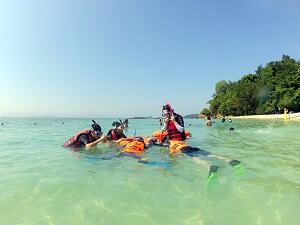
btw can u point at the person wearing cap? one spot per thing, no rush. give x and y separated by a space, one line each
116 132
174 124
86 138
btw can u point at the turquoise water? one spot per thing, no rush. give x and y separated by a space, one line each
43 183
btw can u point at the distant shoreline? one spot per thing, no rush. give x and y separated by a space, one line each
293 116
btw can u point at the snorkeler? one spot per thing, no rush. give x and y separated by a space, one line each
174 124
116 132
195 153
125 123
86 138
135 149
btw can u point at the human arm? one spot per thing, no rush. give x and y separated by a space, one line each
178 121
94 143
124 139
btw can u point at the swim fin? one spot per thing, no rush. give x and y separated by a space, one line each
238 168
212 171
212 177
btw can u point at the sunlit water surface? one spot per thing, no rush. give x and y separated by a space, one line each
44 183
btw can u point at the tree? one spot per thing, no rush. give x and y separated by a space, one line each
273 87
206 112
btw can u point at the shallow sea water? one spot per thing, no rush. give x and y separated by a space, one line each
43 183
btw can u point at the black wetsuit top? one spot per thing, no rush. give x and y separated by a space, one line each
179 119
84 139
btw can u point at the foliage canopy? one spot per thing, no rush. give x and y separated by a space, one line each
269 90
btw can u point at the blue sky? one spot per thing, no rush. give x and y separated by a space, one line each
126 58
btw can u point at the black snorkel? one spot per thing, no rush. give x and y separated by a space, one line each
121 123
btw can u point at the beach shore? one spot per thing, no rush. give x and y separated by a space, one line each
292 116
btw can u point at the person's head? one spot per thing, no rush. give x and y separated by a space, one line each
117 127
126 121
208 118
96 131
166 111
138 138
231 129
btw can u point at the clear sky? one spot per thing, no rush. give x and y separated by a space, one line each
122 58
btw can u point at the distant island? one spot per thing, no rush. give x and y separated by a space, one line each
141 117
191 116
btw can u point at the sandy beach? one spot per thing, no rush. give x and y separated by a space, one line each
292 116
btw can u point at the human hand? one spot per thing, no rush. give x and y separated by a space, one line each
173 118
167 120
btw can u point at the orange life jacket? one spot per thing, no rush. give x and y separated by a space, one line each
177 146
135 147
164 134
73 141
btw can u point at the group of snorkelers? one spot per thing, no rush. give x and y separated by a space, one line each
171 136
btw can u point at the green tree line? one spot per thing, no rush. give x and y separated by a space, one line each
269 90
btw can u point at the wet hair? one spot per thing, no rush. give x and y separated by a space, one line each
116 124
96 127
231 128
166 107
208 117
138 138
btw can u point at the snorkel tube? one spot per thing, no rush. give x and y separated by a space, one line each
121 123
171 113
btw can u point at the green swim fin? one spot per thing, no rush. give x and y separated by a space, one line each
212 177
238 168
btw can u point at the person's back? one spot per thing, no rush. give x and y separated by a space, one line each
135 146
176 146
208 122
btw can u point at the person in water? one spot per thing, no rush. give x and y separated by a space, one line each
223 119
173 124
208 122
116 132
125 123
135 148
160 121
195 153
86 138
